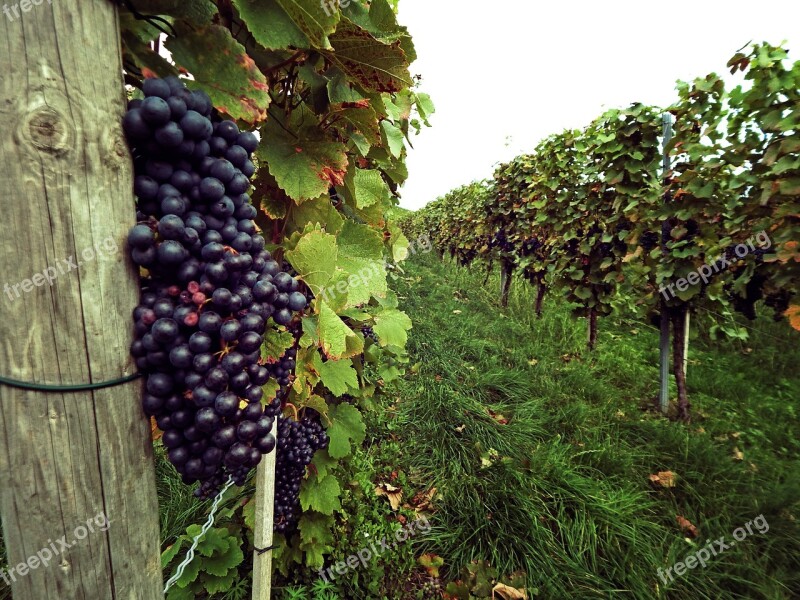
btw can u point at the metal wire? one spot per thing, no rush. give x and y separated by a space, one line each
208 524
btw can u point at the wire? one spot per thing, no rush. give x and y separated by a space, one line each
83 387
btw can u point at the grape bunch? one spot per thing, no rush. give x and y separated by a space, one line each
210 287
281 371
649 240
297 443
369 334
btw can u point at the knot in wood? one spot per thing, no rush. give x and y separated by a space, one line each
48 130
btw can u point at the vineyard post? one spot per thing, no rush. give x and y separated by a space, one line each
505 282
263 534
687 323
664 346
77 466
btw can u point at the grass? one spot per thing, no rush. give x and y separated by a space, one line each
561 490
540 453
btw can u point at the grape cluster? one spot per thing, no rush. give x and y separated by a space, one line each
211 287
297 443
369 334
649 240
281 371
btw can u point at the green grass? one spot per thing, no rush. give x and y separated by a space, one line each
561 491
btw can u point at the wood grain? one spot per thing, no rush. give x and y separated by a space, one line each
66 175
265 511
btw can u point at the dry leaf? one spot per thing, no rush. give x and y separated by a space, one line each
431 563
737 454
394 494
664 479
497 417
508 593
461 428
687 526
456 312
533 362
155 432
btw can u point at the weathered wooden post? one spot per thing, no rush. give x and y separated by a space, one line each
69 460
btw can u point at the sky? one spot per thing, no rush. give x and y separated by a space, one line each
505 74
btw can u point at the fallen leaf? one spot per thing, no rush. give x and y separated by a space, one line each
687 526
508 593
461 428
456 312
394 494
737 454
431 563
664 479
533 362
497 417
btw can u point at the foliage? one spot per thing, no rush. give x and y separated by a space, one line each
329 91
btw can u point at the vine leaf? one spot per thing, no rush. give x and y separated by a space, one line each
338 376
391 327
270 25
321 495
314 257
346 427
223 69
303 162
374 65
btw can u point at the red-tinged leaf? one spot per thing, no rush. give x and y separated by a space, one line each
221 67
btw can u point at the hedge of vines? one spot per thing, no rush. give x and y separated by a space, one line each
592 214
328 89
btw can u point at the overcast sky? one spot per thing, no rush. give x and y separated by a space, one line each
506 73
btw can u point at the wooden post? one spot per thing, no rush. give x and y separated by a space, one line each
265 509
67 459
506 274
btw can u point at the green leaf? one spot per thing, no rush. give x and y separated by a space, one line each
335 337
316 536
270 24
373 64
275 344
321 495
170 553
317 19
370 188
220 563
221 68
346 426
303 162
360 258
391 327
790 186
214 541
338 376
314 257
394 138
218 585
323 462
319 210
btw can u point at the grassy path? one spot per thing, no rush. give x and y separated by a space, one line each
542 452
